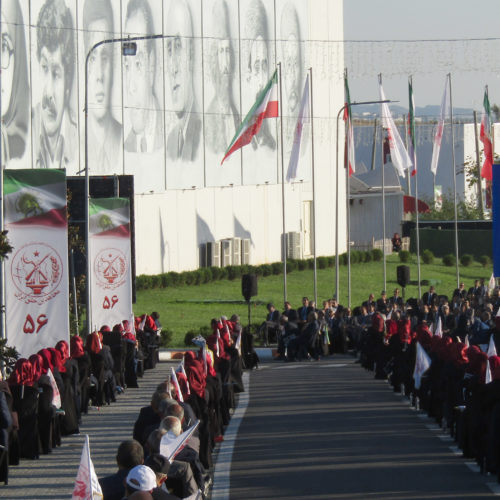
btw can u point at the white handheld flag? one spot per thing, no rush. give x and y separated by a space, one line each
171 445
399 156
422 364
180 369
177 386
56 395
467 343
492 284
87 485
304 117
488 377
492 350
444 113
238 342
438 329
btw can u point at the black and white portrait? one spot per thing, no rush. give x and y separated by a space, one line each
142 103
184 136
54 122
222 116
105 136
15 90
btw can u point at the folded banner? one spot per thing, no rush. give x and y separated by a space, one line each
110 261
36 273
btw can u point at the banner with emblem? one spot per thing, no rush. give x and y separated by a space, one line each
36 272
110 261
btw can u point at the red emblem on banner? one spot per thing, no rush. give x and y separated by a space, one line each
36 271
110 267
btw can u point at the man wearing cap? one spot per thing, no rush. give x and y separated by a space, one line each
140 478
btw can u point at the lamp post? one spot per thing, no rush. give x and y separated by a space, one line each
129 48
337 279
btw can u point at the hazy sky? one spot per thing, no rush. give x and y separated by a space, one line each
472 63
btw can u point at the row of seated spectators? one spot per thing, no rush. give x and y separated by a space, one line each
203 390
45 396
461 387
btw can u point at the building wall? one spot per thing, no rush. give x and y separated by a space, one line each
167 114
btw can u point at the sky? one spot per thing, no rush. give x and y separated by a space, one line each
400 32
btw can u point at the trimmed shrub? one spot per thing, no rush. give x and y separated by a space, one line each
343 259
331 261
377 254
189 277
205 331
233 272
291 265
143 282
302 264
165 337
216 272
367 256
466 259
449 260
485 260
355 256
190 335
404 256
427 256
264 270
322 262
277 268
223 273
310 263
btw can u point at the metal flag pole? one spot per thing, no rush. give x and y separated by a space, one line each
311 114
2 168
283 237
454 181
383 199
348 205
337 278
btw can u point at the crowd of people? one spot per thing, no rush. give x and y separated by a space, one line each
45 396
202 390
459 335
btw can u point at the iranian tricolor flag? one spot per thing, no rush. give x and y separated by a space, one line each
349 146
411 129
266 106
36 274
110 261
485 137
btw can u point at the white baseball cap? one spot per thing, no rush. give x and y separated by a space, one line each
142 478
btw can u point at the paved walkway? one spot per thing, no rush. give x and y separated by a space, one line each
53 475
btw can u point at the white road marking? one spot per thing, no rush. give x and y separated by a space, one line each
222 473
473 466
494 487
456 450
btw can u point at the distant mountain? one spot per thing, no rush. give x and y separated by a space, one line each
430 112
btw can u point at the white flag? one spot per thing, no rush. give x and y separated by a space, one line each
399 156
438 329
492 350
303 117
238 342
422 364
444 113
171 445
180 369
87 485
488 377
492 284
177 386
56 395
467 343
194 496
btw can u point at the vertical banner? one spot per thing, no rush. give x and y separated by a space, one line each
495 189
36 274
110 261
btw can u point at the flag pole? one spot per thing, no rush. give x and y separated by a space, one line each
283 237
337 278
454 181
313 186
383 201
348 208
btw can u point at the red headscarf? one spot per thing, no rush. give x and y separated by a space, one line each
404 331
46 360
37 365
105 329
195 372
128 331
76 344
424 335
22 374
378 322
57 360
183 384
93 344
63 348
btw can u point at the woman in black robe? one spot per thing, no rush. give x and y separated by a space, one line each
11 452
56 427
82 358
70 397
93 346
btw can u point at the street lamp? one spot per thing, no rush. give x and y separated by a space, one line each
348 221
129 48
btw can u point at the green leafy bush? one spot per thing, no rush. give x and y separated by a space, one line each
466 259
291 265
277 268
449 260
485 260
404 256
331 261
427 256
343 259
322 262
166 337
143 282
355 256
310 263
264 270
302 264
367 256
377 254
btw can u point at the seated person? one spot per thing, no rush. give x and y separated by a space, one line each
270 327
397 243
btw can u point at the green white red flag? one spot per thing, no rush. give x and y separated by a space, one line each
266 106
110 261
349 146
36 274
485 137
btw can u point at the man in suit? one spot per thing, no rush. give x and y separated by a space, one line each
184 137
460 291
430 298
396 299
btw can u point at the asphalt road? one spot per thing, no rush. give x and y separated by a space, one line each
328 430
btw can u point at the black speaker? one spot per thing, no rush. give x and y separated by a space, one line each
403 275
249 286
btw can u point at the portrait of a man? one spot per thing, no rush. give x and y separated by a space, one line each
222 116
54 127
146 118
104 131
292 69
257 64
184 136
15 91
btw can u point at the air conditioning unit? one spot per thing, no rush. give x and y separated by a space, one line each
213 253
294 249
226 253
245 251
236 260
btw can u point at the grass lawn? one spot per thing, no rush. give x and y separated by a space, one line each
186 308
